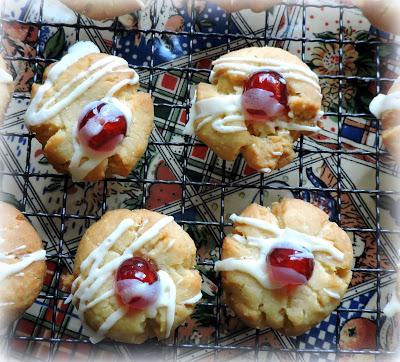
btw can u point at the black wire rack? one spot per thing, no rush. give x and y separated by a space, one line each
61 257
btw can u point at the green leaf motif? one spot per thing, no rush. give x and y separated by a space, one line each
55 45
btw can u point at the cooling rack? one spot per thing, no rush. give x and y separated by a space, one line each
51 331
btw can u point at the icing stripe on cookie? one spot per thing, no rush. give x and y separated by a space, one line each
286 238
25 260
37 114
247 65
210 109
193 300
97 273
331 293
311 242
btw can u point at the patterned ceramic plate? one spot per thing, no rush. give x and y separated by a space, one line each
344 166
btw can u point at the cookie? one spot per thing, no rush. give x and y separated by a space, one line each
22 264
104 9
285 267
260 101
237 5
6 88
383 14
134 277
387 109
89 116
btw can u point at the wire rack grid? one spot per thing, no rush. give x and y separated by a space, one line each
63 259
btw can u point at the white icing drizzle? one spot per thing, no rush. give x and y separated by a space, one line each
170 244
193 300
83 291
5 77
25 260
211 109
277 153
281 238
331 293
167 299
393 307
111 320
38 113
382 103
107 294
75 53
6 304
248 65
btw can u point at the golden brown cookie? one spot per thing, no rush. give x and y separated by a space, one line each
104 9
286 267
22 264
89 116
6 88
259 102
237 5
387 109
102 292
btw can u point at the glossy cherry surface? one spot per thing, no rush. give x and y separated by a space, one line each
265 96
137 283
101 127
290 266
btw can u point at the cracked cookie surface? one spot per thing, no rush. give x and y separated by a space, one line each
291 310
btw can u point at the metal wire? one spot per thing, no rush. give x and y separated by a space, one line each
60 257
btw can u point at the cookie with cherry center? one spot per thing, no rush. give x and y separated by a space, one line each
89 116
134 277
259 102
286 267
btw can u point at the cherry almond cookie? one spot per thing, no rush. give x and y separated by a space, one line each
134 277
89 116
260 101
285 267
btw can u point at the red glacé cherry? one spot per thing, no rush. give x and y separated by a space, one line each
289 266
265 96
137 284
101 127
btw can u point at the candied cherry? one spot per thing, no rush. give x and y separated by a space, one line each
264 96
101 126
137 285
290 266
